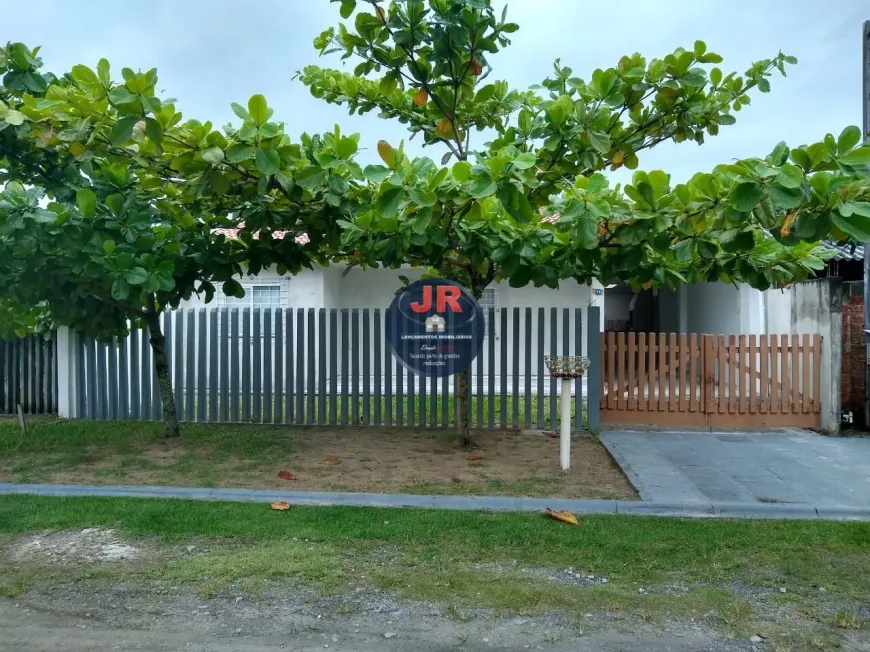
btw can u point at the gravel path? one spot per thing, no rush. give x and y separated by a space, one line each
124 617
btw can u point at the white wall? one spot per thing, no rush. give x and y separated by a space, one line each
813 307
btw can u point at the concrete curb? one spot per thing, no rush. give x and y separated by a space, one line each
488 503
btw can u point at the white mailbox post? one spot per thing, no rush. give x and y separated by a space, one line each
567 368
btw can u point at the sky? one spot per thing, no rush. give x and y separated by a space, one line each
209 53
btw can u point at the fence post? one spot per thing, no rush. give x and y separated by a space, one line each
593 374
67 379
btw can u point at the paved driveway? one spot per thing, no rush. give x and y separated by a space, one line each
744 467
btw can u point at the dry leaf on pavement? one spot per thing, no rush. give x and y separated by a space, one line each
475 457
332 460
564 516
286 475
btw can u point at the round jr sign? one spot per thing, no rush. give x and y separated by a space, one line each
435 327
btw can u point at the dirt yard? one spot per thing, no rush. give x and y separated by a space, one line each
366 460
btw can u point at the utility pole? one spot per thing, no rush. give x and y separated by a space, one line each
865 103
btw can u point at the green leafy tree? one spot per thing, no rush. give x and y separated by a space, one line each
533 203
112 203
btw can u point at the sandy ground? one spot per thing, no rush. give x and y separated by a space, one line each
80 609
368 460
123 618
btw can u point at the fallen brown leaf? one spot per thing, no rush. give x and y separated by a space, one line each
564 516
332 460
475 457
286 475
280 505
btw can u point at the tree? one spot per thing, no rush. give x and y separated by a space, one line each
532 205
112 204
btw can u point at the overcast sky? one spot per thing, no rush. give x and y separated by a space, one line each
209 53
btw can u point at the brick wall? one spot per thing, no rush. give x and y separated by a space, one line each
853 350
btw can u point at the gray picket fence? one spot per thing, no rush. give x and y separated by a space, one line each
332 367
28 375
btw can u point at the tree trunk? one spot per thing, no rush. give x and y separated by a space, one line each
164 378
463 432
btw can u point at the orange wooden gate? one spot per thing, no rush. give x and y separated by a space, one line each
711 380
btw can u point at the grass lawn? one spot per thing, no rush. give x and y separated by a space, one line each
346 459
726 572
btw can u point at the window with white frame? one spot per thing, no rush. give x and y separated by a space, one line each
256 296
489 300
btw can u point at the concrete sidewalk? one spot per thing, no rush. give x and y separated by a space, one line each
491 503
784 468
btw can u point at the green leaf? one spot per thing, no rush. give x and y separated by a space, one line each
600 142
461 171
239 152
481 188
779 155
86 77
790 176
515 203
347 7
522 162
14 118
744 196
240 111
849 137
346 147
715 76
86 201
422 197
136 276
389 201
377 173
856 226
860 156
122 130
120 95
684 251
587 232
560 109
784 197
165 281
258 109
857 208
268 161
109 247
151 284
232 288
103 71
154 131
120 289
213 155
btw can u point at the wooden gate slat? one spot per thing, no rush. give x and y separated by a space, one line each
651 371
744 373
620 371
663 389
764 388
805 374
694 372
632 378
774 401
611 381
785 400
723 396
753 383
684 370
602 390
732 375
641 372
795 373
709 362
673 358
817 372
